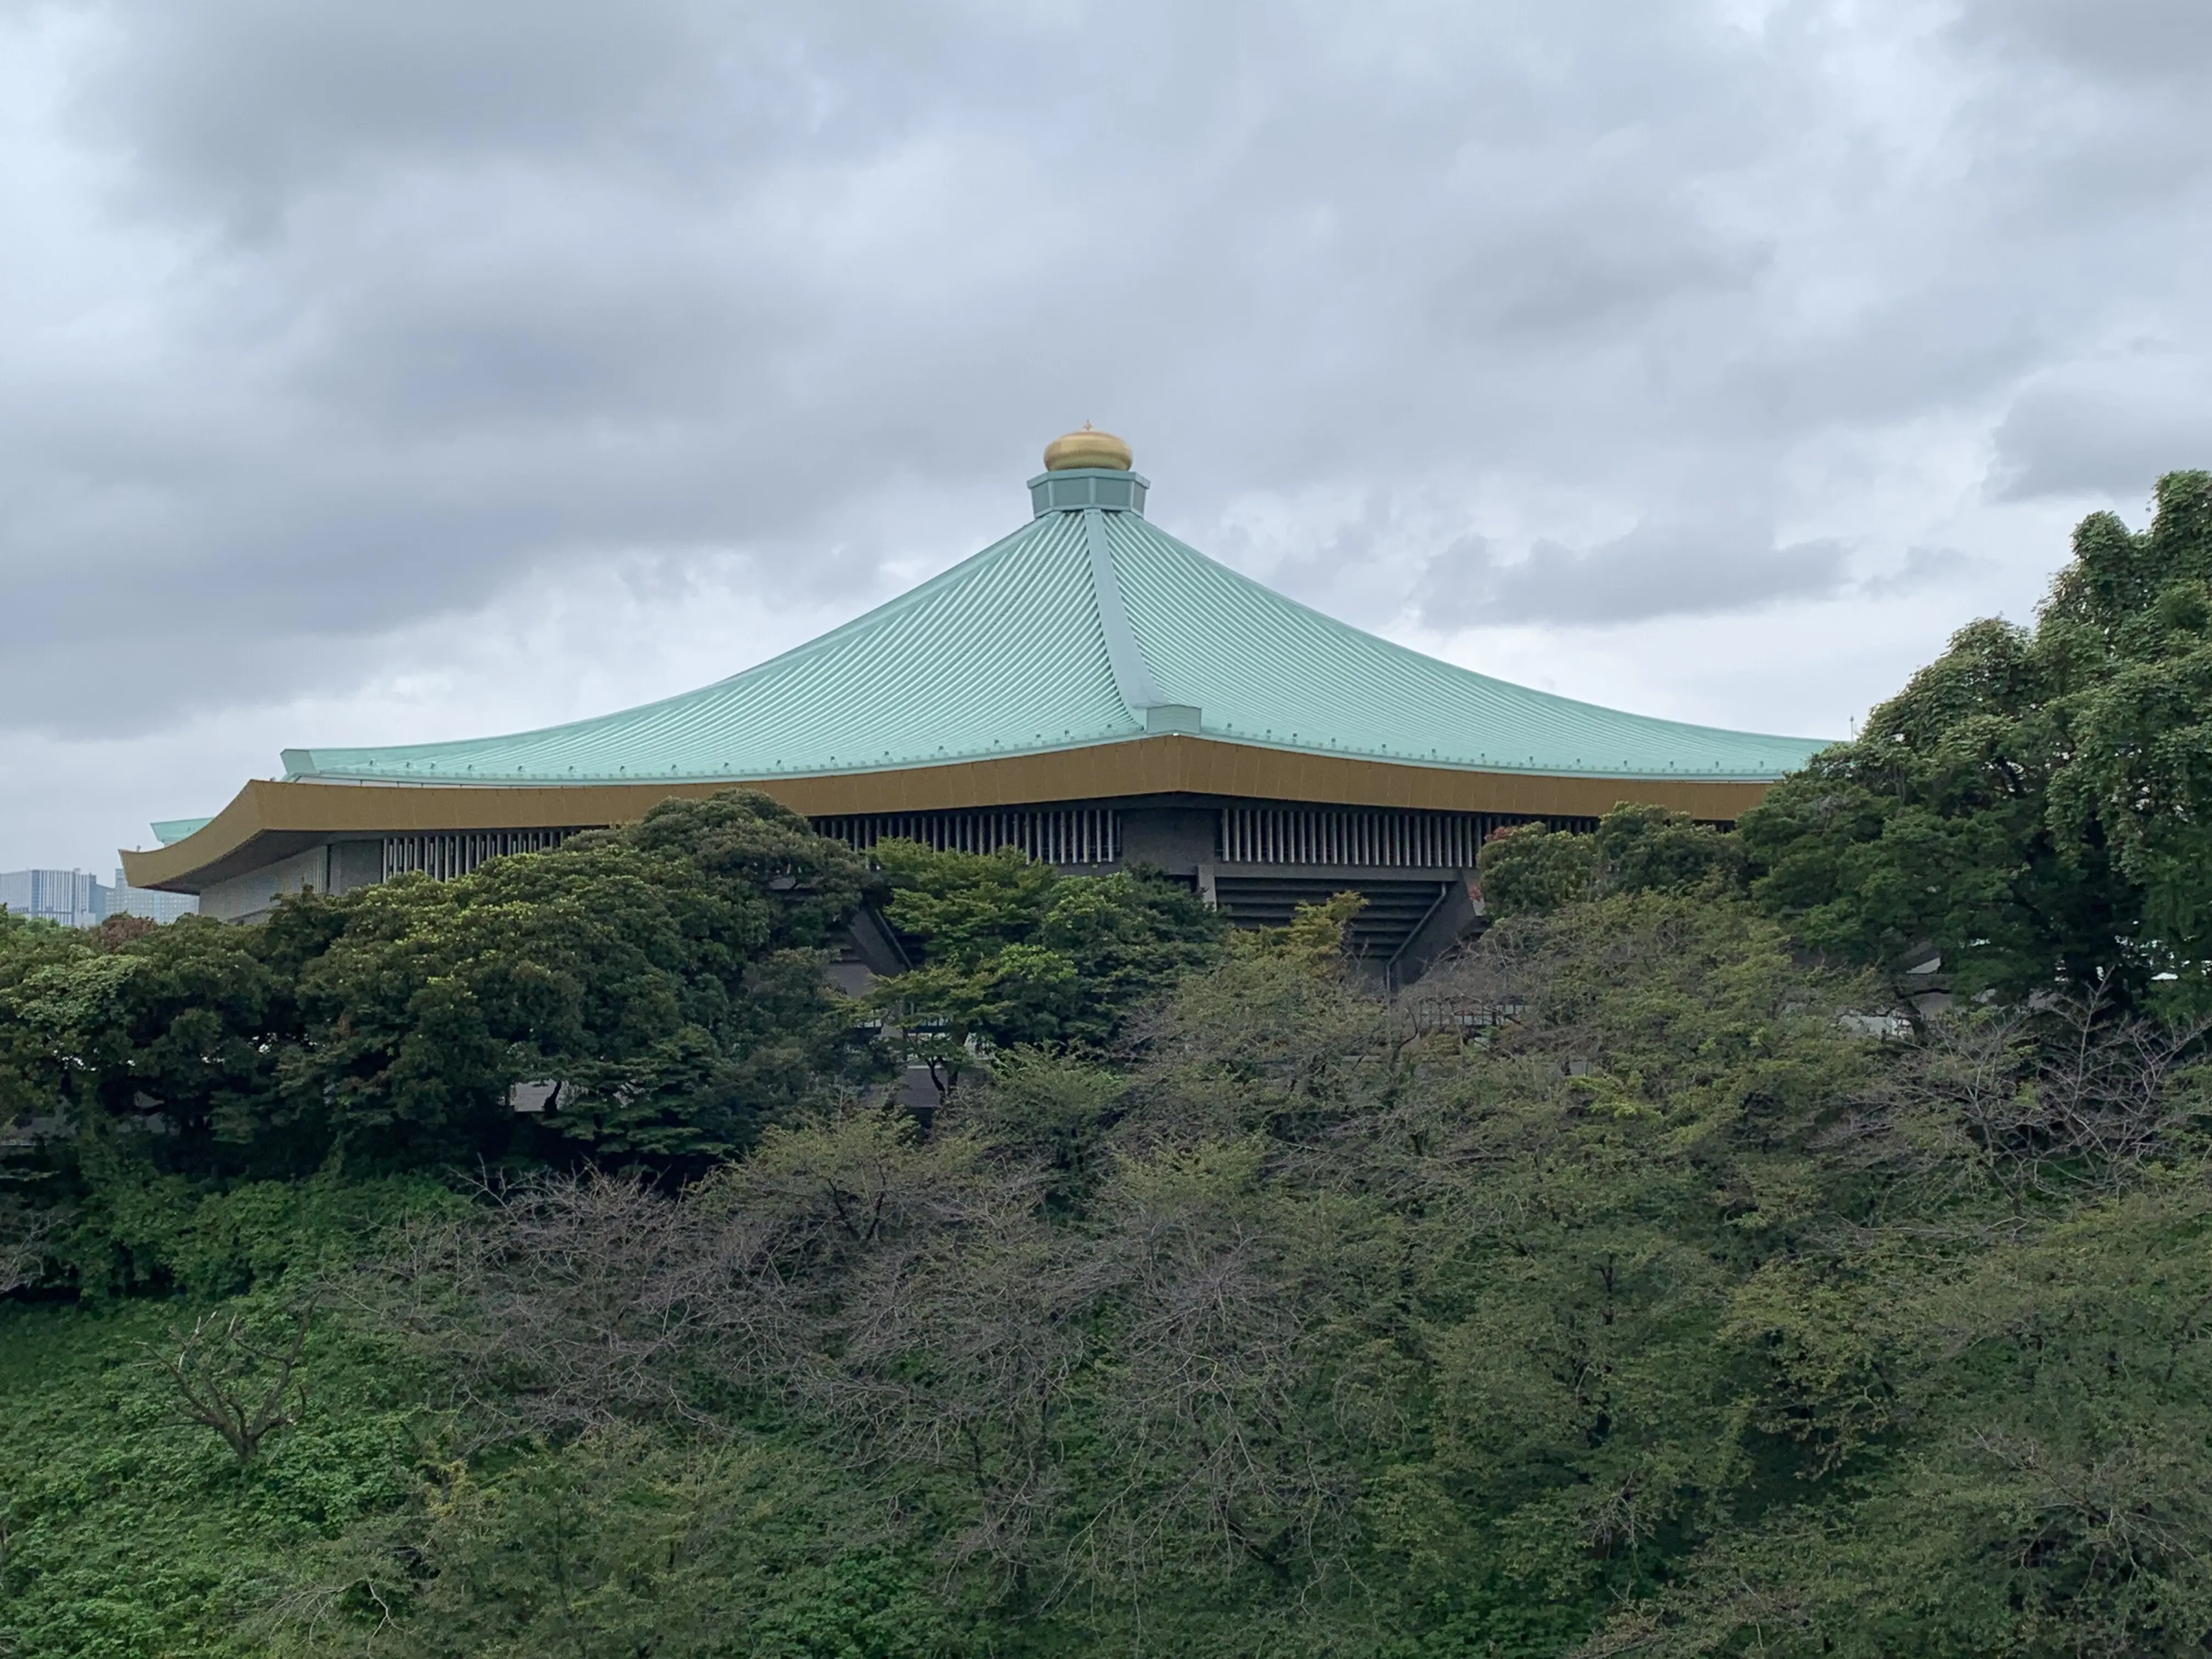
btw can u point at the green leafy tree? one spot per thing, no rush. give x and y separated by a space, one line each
31 954
169 1040
1652 849
2032 808
1013 952
667 974
620 1543
1532 867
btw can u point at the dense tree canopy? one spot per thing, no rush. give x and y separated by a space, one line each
1013 952
1634 849
667 975
1624 1292
2037 805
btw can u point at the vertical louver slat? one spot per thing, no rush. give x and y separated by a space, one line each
1343 837
1052 835
1371 838
446 856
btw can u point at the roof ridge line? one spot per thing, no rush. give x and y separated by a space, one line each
1368 637
897 605
1133 679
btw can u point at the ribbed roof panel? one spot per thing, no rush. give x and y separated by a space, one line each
1001 654
1005 654
1265 669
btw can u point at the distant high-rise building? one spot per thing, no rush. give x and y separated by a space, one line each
125 900
69 896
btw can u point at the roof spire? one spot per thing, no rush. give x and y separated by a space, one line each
1087 469
1089 447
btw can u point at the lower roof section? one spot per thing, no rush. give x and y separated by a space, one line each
268 820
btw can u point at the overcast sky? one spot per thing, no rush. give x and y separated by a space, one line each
421 369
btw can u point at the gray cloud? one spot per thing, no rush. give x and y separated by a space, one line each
2105 428
247 107
330 321
1656 570
1923 567
2128 40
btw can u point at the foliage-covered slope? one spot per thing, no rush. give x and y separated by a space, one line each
1615 1292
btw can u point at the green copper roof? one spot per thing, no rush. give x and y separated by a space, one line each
1088 625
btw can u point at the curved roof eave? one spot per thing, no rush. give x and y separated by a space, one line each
268 819
337 775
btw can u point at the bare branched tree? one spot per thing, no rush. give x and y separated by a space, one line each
26 1234
955 1352
2108 1089
2032 1100
244 1389
559 1303
1216 1413
905 1294
909 1298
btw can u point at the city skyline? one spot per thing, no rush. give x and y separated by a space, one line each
78 898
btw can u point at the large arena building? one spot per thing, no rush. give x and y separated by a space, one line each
1090 689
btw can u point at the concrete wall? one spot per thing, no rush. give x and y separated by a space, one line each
1173 839
356 864
253 895
339 867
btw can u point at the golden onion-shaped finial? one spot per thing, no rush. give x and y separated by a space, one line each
1086 449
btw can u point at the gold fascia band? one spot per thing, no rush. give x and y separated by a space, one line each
268 821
